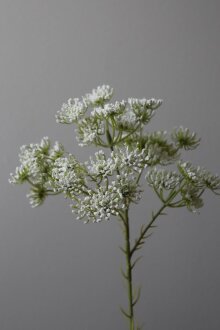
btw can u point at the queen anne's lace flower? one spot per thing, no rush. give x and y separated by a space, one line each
191 198
160 151
100 204
143 104
211 181
130 160
21 175
107 200
110 181
99 95
102 166
199 177
163 179
57 151
126 121
192 174
67 175
89 131
183 138
128 186
109 109
144 109
35 162
37 196
71 111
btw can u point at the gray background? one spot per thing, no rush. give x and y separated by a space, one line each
56 273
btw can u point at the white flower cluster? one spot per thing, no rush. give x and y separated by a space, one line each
71 111
192 198
163 179
36 160
130 160
144 109
127 121
183 138
109 109
102 166
94 112
37 196
160 151
143 104
100 205
108 200
21 174
190 183
108 183
128 186
89 131
199 177
57 151
67 175
99 95
121 159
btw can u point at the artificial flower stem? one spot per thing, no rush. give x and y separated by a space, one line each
129 270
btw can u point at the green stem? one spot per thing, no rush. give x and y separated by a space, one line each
129 270
172 195
129 134
154 217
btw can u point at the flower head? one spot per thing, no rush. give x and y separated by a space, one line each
143 108
184 139
89 130
100 204
99 96
163 179
67 175
109 110
37 196
71 111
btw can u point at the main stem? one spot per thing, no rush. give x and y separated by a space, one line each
129 270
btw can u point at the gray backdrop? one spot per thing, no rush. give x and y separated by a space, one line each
56 273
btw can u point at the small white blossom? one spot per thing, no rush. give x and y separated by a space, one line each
127 120
127 184
144 109
71 111
36 196
107 184
57 150
100 205
20 176
89 130
99 95
101 166
191 198
109 109
211 181
183 138
144 103
34 158
67 175
192 174
199 177
163 179
132 160
160 151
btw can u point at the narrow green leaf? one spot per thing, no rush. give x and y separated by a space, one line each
135 262
125 313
